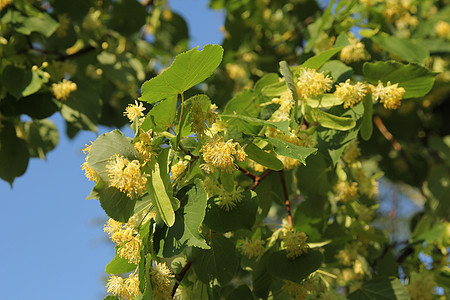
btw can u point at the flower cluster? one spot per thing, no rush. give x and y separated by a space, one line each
200 118
126 176
294 289
178 169
252 248
221 155
351 152
91 175
312 83
295 243
161 278
442 29
422 286
133 111
351 94
127 289
126 237
390 96
143 145
63 89
354 52
345 191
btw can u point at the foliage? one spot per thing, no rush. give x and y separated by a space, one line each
273 193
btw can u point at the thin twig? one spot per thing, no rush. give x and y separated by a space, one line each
179 277
397 147
247 172
287 203
259 178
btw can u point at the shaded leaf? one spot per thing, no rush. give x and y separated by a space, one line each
406 49
381 289
116 204
14 154
220 262
294 269
262 157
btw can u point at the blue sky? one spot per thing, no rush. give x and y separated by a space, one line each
53 245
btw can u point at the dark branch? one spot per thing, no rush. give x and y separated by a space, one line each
287 203
179 277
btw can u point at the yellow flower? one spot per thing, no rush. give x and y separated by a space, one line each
255 166
283 112
345 191
200 118
161 279
294 289
126 176
442 28
351 152
235 71
115 286
354 52
390 96
131 285
221 155
64 23
4 3
144 144
178 169
112 226
63 89
127 289
312 83
351 94
228 200
131 250
252 248
295 243
134 111
91 175
422 286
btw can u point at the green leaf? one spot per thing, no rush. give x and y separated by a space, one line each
188 69
185 231
381 289
331 121
317 61
317 177
291 150
260 156
119 265
294 269
220 262
406 49
416 80
283 126
105 146
42 136
14 154
157 190
161 116
127 16
437 189
242 216
116 204
21 83
275 89
325 100
242 293
367 124
265 81
289 78
83 108
37 22
338 70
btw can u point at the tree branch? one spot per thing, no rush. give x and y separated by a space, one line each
257 180
179 277
287 203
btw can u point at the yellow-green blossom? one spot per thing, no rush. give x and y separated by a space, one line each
312 83
133 111
295 243
221 155
63 89
126 176
351 94
390 96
